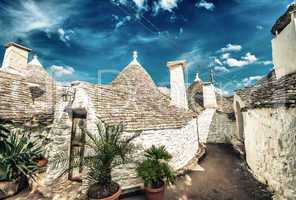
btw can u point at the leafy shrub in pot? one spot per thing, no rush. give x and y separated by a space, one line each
156 172
109 149
17 164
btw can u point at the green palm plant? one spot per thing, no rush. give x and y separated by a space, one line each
17 153
3 138
154 169
109 149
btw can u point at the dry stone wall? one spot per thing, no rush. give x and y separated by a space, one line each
181 143
270 143
222 128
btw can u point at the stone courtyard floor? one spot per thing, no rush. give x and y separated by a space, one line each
224 177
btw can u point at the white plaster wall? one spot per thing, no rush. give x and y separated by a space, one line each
181 143
284 51
209 96
241 103
270 143
178 90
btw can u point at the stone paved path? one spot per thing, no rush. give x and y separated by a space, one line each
224 178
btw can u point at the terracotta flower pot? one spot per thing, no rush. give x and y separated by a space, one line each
42 162
9 188
155 193
115 196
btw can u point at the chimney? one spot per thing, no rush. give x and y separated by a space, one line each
15 57
284 46
209 95
178 89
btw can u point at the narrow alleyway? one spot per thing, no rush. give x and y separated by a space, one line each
224 178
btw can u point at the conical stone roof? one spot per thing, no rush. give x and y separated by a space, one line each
134 99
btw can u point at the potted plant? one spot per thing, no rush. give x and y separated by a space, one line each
156 172
16 154
109 149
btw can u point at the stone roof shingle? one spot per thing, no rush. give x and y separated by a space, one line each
134 99
271 92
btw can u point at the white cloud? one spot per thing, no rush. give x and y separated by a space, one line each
267 62
245 60
217 61
65 35
122 22
195 58
221 69
61 70
223 92
168 5
259 27
225 56
31 15
250 58
232 62
251 80
231 47
207 5
139 3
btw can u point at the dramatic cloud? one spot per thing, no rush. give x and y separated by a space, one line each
221 69
168 5
225 56
251 80
195 58
250 58
140 3
217 61
61 70
207 5
65 35
223 92
246 60
231 47
31 15
121 22
267 62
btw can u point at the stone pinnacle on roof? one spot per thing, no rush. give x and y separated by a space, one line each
197 79
35 61
135 61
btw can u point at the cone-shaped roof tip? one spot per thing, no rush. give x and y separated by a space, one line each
35 61
135 61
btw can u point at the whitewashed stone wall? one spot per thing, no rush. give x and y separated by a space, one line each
270 142
283 50
222 128
15 59
204 123
210 100
177 81
181 143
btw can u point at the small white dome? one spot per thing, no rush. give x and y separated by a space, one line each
135 61
35 61
197 79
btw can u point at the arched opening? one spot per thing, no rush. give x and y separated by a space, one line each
240 122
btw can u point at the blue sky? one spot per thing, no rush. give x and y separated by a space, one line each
79 38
